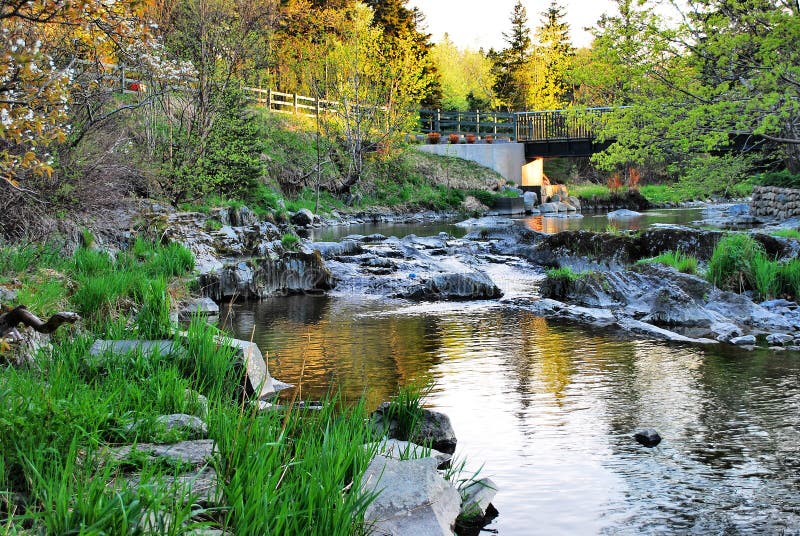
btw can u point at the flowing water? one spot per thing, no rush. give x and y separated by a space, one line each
548 409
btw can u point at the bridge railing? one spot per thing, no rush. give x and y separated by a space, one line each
478 123
558 125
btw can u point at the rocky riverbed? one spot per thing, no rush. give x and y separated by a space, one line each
246 258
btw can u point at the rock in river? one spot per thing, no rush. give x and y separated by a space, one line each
647 437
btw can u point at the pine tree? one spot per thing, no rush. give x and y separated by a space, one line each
551 60
511 79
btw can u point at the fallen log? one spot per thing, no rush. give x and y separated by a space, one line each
20 315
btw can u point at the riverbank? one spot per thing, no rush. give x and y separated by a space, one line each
166 437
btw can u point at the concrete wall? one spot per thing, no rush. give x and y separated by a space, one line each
505 158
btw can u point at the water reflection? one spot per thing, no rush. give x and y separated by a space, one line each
550 410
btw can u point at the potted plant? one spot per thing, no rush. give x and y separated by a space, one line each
470 138
489 139
454 138
433 137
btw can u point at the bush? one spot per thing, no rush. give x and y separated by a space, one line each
783 179
290 241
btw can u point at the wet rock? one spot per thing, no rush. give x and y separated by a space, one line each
258 381
530 199
196 428
302 218
574 201
739 309
412 498
202 307
260 278
331 250
7 296
725 331
623 214
654 332
548 208
744 340
397 449
471 204
647 437
434 428
455 286
588 315
486 221
779 339
476 499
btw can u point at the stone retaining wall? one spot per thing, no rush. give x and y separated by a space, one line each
775 202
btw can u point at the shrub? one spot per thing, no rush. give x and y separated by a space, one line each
783 179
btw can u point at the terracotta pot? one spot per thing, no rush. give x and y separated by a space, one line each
433 137
470 138
454 138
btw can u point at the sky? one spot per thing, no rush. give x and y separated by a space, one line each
481 23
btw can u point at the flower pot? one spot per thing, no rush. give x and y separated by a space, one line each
454 138
433 138
470 138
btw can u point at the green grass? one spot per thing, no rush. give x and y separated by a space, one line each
565 272
787 233
677 259
739 263
589 190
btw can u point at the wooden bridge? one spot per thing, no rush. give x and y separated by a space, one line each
546 133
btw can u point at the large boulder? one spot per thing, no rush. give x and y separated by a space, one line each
623 214
433 429
455 286
412 498
263 277
302 218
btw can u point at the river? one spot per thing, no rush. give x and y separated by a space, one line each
548 409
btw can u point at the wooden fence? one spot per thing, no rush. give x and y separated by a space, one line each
478 123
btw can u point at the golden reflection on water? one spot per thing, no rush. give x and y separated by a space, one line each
551 408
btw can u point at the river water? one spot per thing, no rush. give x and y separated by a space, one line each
548 409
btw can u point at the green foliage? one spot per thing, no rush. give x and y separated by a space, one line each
766 277
789 273
680 261
226 162
783 179
465 76
565 273
290 241
405 409
788 233
730 265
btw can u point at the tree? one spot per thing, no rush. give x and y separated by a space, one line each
512 81
551 61
45 45
375 85
466 77
730 68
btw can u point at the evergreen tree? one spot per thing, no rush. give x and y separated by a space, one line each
551 61
399 22
511 77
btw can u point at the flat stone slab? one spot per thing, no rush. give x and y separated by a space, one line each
199 487
399 450
413 498
259 381
197 452
204 307
181 421
164 348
